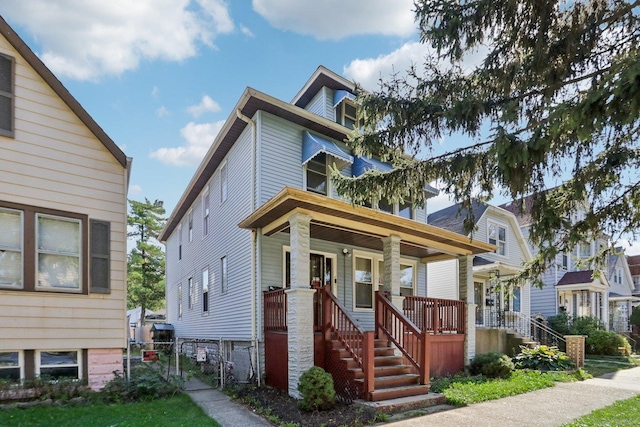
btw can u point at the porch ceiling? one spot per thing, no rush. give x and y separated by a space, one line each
337 221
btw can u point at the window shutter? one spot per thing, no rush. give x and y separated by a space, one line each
100 236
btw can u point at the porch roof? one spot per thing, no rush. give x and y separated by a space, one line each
483 266
582 281
341 222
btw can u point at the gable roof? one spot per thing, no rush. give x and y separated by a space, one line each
521 210
32 59
320 78
452 218
576 277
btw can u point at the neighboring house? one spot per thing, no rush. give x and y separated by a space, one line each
633 261
499 307
571 285
63 211
621 287
261 213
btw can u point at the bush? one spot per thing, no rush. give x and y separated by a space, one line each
561 323
145 384
492 365
586 325
542 358
635 317
607 343
316 387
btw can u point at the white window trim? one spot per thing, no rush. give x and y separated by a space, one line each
327 172
206 218
21 213
191 293
506 236
79 361
224 274
334 260
190 224
207 297
180 296
80 255
180 242
20 361
377 279
224 182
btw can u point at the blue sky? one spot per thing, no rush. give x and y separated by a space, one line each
161 76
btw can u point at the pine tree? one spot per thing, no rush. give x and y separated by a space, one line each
559 89
146 262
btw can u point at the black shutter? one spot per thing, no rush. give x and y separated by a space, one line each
100 237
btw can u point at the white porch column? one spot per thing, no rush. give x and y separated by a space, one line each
465 292
391 277
299 303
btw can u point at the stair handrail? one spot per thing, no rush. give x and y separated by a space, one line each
336 320
544 328
401 331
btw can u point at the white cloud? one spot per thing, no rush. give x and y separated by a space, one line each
206 105
155 92
162 111
198 137
336 19
88 39
247 32
368 71
135 189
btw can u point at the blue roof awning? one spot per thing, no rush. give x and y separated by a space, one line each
361 164
312 145
340 95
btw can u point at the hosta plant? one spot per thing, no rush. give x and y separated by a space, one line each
542 358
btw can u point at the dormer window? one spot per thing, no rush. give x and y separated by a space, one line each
347 113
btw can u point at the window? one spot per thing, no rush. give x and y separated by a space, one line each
190 219
205 290
583 250
11 243
498 237
58 242
317 174
565 261
6 95
406 280
180 301
385 206
405 210
364 282
54 251
191 292
59 364
223 182
179 242
223 274
511 299
347 114
205 214
11 366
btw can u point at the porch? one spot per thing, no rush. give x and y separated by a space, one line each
407 346
301 223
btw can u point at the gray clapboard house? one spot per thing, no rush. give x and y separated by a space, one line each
621 288
501 311
261 251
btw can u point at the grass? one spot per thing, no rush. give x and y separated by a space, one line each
178 410
461 393
621 413
600 365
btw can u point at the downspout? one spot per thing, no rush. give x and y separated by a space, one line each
255 297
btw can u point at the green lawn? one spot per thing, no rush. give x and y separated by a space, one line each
622 413
175 411
600 365
464 393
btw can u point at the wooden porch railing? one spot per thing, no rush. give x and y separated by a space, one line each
436 315
408 338
338 323
275 310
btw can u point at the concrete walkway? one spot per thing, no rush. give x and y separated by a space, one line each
548 407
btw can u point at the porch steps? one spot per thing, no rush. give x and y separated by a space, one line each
392 377
515 340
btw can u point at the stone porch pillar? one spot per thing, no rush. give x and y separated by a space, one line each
299 303
465 292
391 277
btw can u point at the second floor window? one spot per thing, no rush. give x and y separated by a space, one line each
347 114
223 183
190 215
498 236
317 174
6 95
205 290
205 214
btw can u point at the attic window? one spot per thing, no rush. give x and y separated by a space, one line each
347 113
6 95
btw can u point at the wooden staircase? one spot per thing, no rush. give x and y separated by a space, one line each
393 378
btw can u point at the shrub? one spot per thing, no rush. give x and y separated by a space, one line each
492 365
145 384
607 343
635 317
316 388
542 358
561 323
586 325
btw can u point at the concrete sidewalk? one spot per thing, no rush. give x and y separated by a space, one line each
548 407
